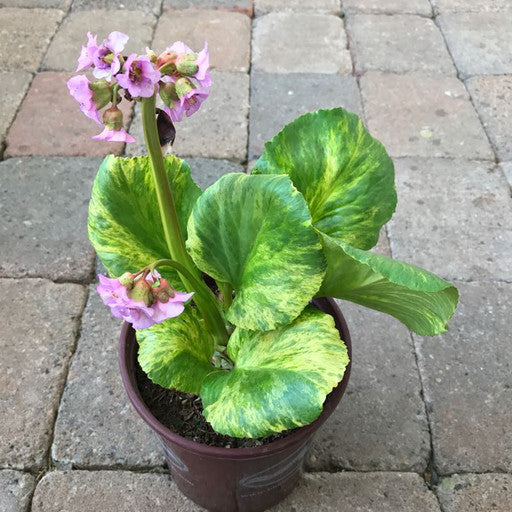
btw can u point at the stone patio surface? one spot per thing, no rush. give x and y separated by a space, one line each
426 423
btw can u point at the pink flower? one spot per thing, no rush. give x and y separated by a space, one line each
202 61
192 100
106 57
87 54
188 100
138 312
139 78
79 88
110 135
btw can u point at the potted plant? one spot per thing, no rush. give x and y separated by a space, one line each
222 290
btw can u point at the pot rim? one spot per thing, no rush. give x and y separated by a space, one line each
127 350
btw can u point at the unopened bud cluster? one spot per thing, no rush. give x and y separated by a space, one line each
180 76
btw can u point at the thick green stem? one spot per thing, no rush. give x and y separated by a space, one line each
205 300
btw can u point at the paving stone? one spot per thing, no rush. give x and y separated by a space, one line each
467 374
14 87
24 36
277 99
507 170
207 171
492 97
36 348
119 491
381 422
243 6
452 218
96 425
15 490
49 123
65 47
388 6
378 43
45 4
480 43
471 5
419 115
360 492
279 45
476 493
318 6
228 35
43 218
218 130
145 6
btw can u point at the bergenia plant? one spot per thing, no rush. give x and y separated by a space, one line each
252 346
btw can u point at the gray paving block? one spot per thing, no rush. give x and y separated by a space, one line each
381 422
492 97
480 43
292 42
43 224
476 493
453 218
228 35
64 50
317 6
217 130
96 424
207 171
14 87
400 44
388 6
467 374
420 115
471 5
25 35
145 6
36 342
15 490
506 167
44 4
119 491
360 492
277 99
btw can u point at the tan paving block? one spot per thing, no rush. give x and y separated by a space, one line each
228 35
389 6
317 6
49 123
14 86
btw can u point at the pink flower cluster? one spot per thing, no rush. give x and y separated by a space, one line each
144 300
179 75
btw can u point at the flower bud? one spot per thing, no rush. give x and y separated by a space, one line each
101 93
142 291
113 118
152 55
183 86
127 280
164 291
166 63
186 64
168 93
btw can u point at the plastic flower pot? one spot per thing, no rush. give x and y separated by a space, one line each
233 479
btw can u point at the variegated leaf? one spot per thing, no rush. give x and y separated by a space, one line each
280 379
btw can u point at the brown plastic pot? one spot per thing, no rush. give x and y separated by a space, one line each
233 479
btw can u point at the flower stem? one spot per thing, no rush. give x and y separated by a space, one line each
205 300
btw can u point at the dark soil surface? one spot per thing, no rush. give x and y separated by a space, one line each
182 413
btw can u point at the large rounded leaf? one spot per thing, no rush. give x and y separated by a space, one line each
419 299
280 379
345 174
255 233
176 353
124 219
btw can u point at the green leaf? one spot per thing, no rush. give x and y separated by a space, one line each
345 175
280 378
255 233
176 353
419 299
124 219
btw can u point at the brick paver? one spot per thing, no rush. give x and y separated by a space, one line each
243 6
44 4
46 199
316 6
277 99
381 423
279 45
468 382
378 43
145 6
492 96
420 115
15 490
50 123
389 6
491 492
228 35
24 36
480 43
35 351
